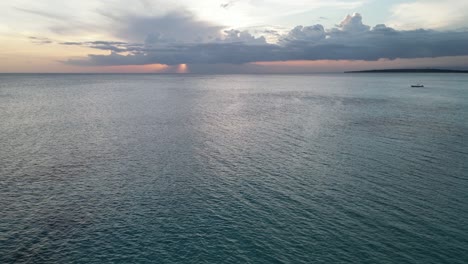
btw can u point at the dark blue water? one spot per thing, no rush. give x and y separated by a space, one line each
233 169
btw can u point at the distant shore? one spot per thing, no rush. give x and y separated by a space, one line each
409 71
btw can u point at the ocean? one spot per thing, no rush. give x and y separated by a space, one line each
324 168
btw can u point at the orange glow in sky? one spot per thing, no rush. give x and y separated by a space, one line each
150 68
182 68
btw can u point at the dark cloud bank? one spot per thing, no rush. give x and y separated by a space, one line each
179 37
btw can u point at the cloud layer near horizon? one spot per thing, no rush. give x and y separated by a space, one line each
178 38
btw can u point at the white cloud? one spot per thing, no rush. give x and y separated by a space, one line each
233 36
309 33
434 14
245 13
353 23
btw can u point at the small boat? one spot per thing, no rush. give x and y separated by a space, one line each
417 85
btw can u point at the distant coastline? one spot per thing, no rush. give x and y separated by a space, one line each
409 71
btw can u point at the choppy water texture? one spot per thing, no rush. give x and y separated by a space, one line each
234 169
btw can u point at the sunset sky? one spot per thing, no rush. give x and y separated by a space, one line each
231 36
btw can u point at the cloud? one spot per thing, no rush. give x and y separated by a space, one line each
229 4
243 37
429 14
179 38
65 22
204 53
176 26
310 33
353 23
40 40
45 14
271 32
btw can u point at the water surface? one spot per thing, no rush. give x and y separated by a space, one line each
355 168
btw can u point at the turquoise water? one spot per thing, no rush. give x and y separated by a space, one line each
339 168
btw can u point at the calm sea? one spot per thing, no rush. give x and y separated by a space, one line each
356 168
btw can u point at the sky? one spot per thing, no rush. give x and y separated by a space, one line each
231 36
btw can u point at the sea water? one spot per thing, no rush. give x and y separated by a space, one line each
331 168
